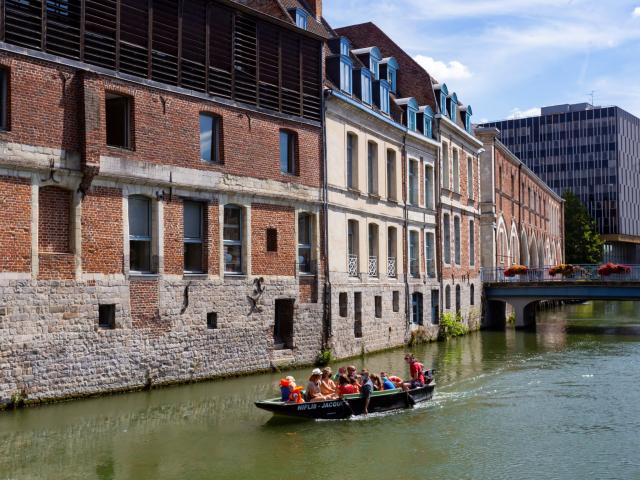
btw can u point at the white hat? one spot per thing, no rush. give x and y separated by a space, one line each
316 371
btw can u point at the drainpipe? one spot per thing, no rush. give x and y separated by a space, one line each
438 189
520 214
327 330
405 240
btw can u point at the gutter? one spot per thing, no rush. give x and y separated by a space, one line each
327 330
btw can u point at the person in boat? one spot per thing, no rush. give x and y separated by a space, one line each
377 382
351 372
344 387
416 371
387 384
341 371
353 381
313 393
284 389
366 390
327 385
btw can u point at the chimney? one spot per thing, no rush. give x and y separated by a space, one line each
316 8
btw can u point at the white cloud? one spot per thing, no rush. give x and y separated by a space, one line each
636 12
481 8
517 113
444 72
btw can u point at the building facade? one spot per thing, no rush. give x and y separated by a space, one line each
144 239
522 217
593 152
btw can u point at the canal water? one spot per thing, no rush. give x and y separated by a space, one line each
560 403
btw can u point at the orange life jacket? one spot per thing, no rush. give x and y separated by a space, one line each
296 395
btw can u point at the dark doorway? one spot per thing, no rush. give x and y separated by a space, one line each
435 307
283 328
416 308
357 314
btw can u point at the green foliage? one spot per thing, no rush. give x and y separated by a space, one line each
582 242
451 325
18 399
324 358
418 336
511 319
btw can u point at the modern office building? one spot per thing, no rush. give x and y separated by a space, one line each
595 153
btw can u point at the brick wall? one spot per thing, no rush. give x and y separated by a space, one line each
308 290
143 298
102 242
173 237
212 251
54 222
15 219
282 262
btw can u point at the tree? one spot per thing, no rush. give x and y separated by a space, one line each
582 242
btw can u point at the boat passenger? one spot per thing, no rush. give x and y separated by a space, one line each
416 370
353 381
341 371
344 387
387 384
377 383
313 393
351 372
366 390
297 394
327 385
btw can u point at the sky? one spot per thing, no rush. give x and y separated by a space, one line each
508 58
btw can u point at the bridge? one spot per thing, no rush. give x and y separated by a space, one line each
524 292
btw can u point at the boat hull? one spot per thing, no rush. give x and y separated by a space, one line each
351 405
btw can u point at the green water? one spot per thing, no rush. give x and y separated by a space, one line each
560 403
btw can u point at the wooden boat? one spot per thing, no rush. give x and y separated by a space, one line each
350 405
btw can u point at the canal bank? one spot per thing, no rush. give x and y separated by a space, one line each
544 404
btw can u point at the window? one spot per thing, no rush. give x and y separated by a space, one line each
392 77
414 255
283 323
446 234
456 239
346 74
446 183
391 174
353 248
345 47
193 237
288 147
457 298
472 295
232 239
301 19
372 163
357 314
352 161
430 254
428 122
447 297
4 99
396 300
456 171
209 138
212 320
453 107
118 119
378 306
384 97
373 250
374 62
411 119
413 182
107 317
365 87
467 118
444 92
428 187
272 240
392 245
416 308
470 177
342 304
140 234
304 242
472 243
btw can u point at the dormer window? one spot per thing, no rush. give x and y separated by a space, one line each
346 75
389 71
383 102
365 86
427 117
444 93
412 113
374 62
345 46
453 107
300 16
467 118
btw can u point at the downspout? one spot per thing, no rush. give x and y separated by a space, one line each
520 214
327 330
438 187
405 240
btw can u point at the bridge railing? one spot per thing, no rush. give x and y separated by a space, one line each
582 273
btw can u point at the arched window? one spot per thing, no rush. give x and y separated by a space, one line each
391 174
373 250
372 167
428 187
232 239
352 160
447 297
456 171
456 239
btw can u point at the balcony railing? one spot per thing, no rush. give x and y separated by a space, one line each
352 265
373 266
392 271
582 273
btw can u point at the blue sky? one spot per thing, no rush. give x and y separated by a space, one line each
507 58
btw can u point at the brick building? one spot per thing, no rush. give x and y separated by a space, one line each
522 217
160 192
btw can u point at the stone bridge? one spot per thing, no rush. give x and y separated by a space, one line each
524 292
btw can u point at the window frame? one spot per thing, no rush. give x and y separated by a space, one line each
127 130
446 238
457 240
291 151
352 160
215 144
194 240
412 184
366 86
472 242
372 168
346 75
470 192
141 238
385 102
233 243
414 249
429 187
430 254
308 269
391 175
5 77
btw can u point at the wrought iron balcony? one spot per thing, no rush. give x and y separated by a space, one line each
373 266
352 265
392 271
